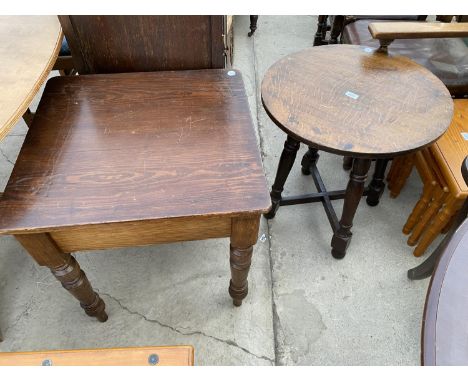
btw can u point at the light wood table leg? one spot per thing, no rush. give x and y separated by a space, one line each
66 269
450 208
244 233
401 177
438 198
420 207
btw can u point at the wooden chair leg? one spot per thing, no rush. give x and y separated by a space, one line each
66 269
440 221
420 207
244 233
403 174
434 206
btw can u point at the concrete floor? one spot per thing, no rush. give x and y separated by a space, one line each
303 308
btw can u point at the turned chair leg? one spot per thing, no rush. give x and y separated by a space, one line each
288 156
244 233
310 158
66 269
440 221
377 185
253 25
354 190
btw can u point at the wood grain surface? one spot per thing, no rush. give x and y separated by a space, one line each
145 43
133 147
452 148
399 30
137 356
444 330
29 46
354 101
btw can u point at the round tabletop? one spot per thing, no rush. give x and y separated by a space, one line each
353 100
29 46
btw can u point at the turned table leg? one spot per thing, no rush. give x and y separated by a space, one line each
377 185
354 190
288 156
253 24
347 163
66 269
244 233
310 158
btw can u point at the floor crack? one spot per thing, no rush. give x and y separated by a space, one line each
21 315
184 333
276 321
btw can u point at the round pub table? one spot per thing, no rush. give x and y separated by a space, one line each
354 101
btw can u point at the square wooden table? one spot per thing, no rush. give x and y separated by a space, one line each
131 159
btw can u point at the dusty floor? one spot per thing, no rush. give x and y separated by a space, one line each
303 308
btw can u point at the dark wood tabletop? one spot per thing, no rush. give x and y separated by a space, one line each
352 100
81 166
445 323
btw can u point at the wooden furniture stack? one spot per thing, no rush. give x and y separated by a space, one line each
136 150
444 190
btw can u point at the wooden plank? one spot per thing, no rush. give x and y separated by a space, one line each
407 30
130 234
29 46
136 356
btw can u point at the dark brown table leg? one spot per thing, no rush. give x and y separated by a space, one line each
321 30
253 24
347 163
310 158
244 233
66 269
288 156
354 190
377 185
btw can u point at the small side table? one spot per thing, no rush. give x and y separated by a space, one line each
354 101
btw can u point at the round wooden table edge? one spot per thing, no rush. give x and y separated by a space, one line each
24 106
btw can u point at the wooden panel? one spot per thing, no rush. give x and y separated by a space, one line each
444 334
354 101
403 30
452 148
29 46
136 146
141 233
167 355
144 43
